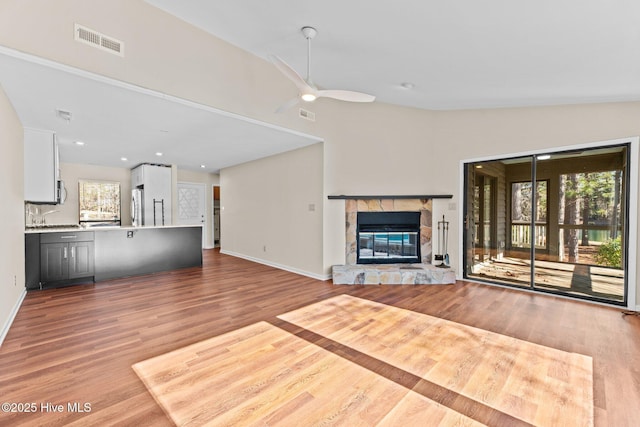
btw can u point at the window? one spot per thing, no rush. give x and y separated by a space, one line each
521 211
99 202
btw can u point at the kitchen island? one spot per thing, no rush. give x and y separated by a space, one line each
65 256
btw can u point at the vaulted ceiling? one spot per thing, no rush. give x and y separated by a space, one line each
456 54
428 54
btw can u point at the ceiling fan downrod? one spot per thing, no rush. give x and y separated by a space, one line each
309 33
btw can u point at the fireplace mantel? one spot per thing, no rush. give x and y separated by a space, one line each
418 197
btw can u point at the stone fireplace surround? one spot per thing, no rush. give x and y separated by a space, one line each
423 273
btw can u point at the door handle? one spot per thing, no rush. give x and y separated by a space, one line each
64 252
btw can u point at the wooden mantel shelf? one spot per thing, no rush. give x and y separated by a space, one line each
424 196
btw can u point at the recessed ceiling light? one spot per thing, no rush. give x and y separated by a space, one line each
202 166
79 143
478 166
544 157
158 154
124 159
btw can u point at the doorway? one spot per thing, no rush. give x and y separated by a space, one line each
192 206
553 222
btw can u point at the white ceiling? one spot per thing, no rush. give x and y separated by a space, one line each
116 120
457 53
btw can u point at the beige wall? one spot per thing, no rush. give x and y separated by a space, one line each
71 173
266 213
420 150
11 216
162 53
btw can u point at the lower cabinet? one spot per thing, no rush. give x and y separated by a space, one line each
66 257
62 261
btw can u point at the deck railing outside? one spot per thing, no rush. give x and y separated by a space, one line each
521 236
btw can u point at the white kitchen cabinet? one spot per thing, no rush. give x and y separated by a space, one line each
41 169
156 184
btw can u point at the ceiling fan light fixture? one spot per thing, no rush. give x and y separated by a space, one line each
308 97
307 91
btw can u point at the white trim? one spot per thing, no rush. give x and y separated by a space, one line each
12 316
634 141
632 243
322 277
139 89
549 150
461 209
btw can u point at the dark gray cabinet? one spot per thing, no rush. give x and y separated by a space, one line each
54 262
81 262
66 256
61 261
131 252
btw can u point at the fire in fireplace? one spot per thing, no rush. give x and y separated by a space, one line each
388 237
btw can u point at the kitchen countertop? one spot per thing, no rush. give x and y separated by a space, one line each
72 228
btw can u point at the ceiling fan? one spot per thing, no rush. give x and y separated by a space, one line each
308 90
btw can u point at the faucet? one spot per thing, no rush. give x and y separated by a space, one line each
44 215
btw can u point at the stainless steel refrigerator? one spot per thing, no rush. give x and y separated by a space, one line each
151 195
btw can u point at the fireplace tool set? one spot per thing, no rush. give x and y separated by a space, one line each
443 236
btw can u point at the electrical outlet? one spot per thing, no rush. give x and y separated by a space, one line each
452 206
130 234
264 248
15 280
312 207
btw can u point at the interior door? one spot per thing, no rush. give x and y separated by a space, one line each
191 206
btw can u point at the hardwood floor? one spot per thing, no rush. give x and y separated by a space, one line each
78 344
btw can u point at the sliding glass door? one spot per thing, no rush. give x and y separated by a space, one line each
554 222
487 218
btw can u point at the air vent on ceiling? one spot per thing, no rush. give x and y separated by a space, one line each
308 115
96 39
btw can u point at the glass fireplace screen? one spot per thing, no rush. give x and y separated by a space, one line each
388 245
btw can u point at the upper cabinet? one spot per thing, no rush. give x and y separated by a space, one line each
41 169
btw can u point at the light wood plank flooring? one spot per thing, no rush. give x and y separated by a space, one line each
78 344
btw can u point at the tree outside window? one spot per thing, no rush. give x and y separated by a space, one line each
99 202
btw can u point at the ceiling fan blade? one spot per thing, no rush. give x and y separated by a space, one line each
290 103
291 74
346 95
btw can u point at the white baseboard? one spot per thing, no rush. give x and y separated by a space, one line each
12 316
322 277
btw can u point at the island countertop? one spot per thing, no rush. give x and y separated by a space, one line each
70 228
